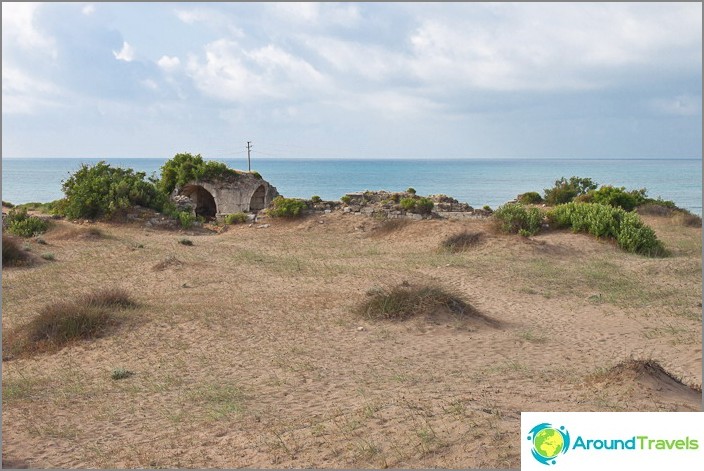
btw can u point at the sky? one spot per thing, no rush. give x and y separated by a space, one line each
352 80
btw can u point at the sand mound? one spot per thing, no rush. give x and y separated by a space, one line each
646 379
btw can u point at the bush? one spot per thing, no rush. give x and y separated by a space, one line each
12 254
517 219
7 204
411 191
532 197
100 190
22 224
617 197
286 207
346 199
608 222
417 205
256 175
236 218
186 219
315 199
187 242
121 373
565 190
184 168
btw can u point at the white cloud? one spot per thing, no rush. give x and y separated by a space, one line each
682 105
24 94
169 63
88 9
150 84
126 53
232 73
18 24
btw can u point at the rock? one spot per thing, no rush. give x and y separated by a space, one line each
263 226
328 211
346 209
360 328
321 221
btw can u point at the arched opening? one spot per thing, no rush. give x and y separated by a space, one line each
258 199
202 199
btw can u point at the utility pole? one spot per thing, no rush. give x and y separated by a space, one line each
249 150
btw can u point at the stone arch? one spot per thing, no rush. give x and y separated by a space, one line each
203 200
258 200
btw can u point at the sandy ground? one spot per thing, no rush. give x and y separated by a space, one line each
248 351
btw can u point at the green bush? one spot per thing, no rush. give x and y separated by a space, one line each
256 175
184 168
618 197
315 199
532 197
411 191
187 242
408 204
346 199
565 190
186 219
286 207
424 206
7 204
609 222
517 219
236 218
22 224
100 190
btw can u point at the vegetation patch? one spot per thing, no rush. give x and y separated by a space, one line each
515 218
168 262
187 242
236 218
121 373
407 301
58 324
531 197
286 207
417 205
602 221
186 167
20 223
462 241
649 372
565 190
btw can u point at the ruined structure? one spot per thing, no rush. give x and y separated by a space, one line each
244 192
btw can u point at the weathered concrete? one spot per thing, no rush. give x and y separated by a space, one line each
242 193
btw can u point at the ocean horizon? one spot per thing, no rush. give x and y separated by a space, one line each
477 182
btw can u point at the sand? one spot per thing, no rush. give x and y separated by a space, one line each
248 350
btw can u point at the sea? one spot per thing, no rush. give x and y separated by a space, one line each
477 182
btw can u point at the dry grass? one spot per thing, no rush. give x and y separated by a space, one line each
252 352
406 301
462 241
12 253
390 226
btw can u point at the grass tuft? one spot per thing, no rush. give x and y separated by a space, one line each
407 301
462 241
12 253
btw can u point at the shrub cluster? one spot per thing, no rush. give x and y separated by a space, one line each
187 167
417 205
407 301
100 190
22 224
608 222
565 190
236 218
517 219
616 197
286 207
531 197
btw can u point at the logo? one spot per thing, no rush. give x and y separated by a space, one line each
548 442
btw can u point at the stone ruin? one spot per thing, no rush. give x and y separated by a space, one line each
214 199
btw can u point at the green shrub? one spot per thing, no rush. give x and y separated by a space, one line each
22 224
531 197
235 218
7 204
565 190
617 197
187 242
411 191
609 222
487 208
517 219
12 254
424 206
256 175
286 207
186 219
121 373
315 199
346 199
100 190
408 204
184 168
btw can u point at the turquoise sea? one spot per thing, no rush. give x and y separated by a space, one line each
475 181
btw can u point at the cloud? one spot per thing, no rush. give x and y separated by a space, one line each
169 63
682 105
24 94
126 53
88 9
19 27
232 73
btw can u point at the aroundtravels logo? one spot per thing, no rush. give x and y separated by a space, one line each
548 442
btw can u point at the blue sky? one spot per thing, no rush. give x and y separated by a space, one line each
362 80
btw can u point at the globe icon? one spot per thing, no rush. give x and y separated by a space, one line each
548 443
